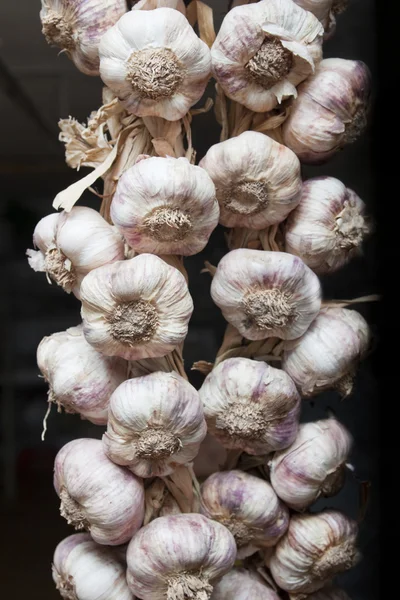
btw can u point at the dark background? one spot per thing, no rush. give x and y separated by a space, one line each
32 171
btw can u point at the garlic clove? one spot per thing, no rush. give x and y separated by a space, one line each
241 584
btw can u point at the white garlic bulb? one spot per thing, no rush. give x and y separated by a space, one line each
257 180
71 244
77 26
250 406
247 506
328 227
313 466
264 50
96 494
137 308
179 557
329 593
327 355
330 111
240 584
266 294
83 570
165 206
155 424
155 63
80 379
315 548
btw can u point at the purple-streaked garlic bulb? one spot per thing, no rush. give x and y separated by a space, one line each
247 506
251 406
155 424
179 557
96 494
329 593
165 206
241 584
313 466
328 227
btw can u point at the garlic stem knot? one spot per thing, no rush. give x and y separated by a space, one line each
167 224
188 586
271 63
134 322
350 227
355 127
242 421
268 309
157 444
335 559
339 6
65 585
345 384
154 72
71 510
58 31
333 483
245 197
243 533
60 269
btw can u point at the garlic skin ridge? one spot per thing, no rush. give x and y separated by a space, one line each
240 584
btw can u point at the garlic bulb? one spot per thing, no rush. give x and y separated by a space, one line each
325 11
328 227
83 570
315 548
165 206
155 424
330 111
69 24
80 379
329 593
155 63
257 180
250 406
313 465
266 294
240 584
73 243
179 557
247 506
264 50
96 494
327 355
137 308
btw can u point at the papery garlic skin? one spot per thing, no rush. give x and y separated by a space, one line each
329 593
327 355
152 4
240 584
315 548
325 11
247 506
96 494
155 63
266 294
69 24
179 557
328 227
165 206
137 308
80 379
330 111
250 406
257 180
313 466
264 50
71 244
83 570
156 423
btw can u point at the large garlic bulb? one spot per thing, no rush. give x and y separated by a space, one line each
96 494
165 206
264 50
71 244
257 180
137 308
251 406
266 294
179 557
155 63
240 584
80 379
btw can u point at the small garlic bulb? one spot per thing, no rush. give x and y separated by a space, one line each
77 27
80 379
83 570
328 227
156 423
250 406
266 294
165 206
327 355
96 494
257 180
329 593
313 466
137 308
330 111
179 557
155 63
247 506
264 50
73 243
240 584
315 548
